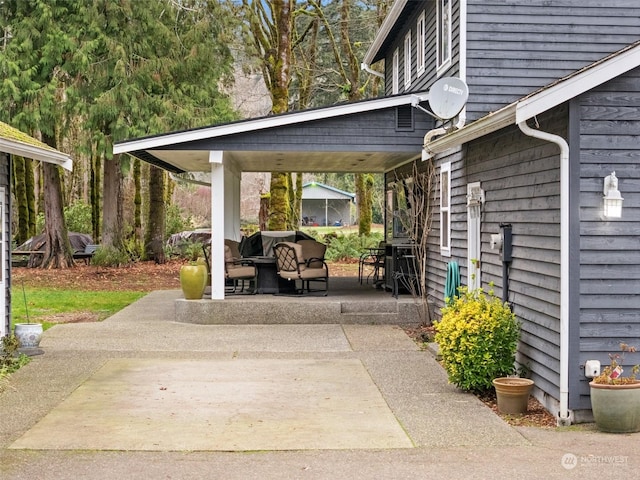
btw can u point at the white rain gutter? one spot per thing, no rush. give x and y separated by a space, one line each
564 415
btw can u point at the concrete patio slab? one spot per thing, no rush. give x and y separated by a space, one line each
221 405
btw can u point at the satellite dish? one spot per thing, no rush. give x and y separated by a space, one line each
447 97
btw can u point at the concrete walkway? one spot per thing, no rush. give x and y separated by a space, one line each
143 397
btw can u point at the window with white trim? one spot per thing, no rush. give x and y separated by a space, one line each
443 50
421 39
407 60
395 67
445 209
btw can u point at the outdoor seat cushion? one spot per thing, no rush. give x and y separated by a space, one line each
241 271
313 252
297 248
311 273
229 260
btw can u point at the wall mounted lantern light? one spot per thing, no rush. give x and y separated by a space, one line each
612 198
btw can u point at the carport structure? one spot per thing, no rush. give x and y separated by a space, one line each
370 136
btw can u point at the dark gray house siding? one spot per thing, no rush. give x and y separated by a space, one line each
369 131
515 47
408 22
609 249
521 180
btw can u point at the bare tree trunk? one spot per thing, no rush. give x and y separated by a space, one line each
279 204
95 196
57 253
112 211
154 238
20 193
29 183
263 213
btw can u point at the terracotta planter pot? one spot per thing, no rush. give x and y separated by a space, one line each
616 408
193 280
512 394
29 334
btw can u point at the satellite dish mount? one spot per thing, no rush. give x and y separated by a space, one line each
447 98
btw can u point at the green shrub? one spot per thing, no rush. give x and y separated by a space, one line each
345 247
10 360
478 337
77 217
174 220
110 257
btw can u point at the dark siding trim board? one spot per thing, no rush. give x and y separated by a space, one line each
513 48
609 268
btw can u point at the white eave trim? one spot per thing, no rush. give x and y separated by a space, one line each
149 143
36 153
383 32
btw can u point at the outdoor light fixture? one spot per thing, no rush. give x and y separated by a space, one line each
612 197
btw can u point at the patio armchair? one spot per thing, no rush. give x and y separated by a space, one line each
238 270
292 266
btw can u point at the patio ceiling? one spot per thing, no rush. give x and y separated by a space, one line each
298 161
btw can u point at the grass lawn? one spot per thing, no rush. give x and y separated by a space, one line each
340 230
43 304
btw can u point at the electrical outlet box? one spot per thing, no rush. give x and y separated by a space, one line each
592 368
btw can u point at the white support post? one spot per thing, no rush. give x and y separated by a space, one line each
232 179
217 225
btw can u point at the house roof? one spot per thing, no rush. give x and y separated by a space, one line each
316 190
544 99
383 37
15 142
189 150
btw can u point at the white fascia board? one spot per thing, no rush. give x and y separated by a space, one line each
565 90
490 123
150 143
384 30
36 153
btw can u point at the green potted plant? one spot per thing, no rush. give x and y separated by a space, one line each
478 338
615 399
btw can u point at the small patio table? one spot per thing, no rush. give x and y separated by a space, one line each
268 279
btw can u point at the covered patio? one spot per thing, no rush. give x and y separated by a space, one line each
348 303
371 136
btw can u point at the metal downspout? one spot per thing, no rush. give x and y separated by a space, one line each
426 153
564 416
368 69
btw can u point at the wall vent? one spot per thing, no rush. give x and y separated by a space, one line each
404 118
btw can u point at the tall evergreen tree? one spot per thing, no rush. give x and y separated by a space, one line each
118 69
35 65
